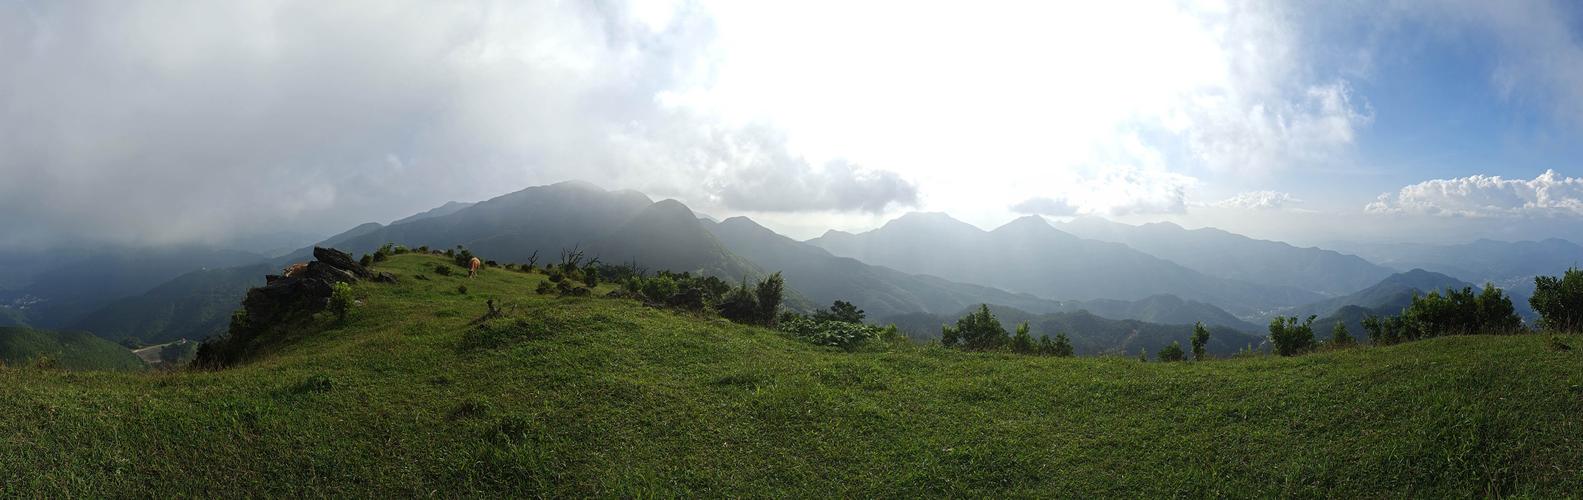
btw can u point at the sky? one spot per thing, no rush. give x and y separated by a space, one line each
150 123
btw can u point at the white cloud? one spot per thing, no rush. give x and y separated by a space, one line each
1258 200
1251 134
1549 194
127 121
1120 190
1042 205
1027 95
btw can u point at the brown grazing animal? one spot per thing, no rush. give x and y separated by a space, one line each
472 267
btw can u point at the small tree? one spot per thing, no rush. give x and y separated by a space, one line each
768 294
1143 356
739 305
841 311
1046 346
1559 301
1063 346
1022 342
1339 336
977 331
1290 337
1375 326
1496 312
1172 352
341 300
1200 341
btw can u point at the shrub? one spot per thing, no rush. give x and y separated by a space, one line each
1291 338
1339 336
1559 301
1022 342
341 300
769 297
842 334
544 288
1172 352
367 260
463 256
977 331
1200 341
658 289
461 289
591 278
442 270
739 305
1063 346
841 311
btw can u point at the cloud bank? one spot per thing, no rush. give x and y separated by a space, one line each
1549 194
163 122
1258 200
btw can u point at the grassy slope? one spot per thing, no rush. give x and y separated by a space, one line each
71 350
599 396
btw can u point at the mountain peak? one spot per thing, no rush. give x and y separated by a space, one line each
671 208
577 184
929 220
1026 223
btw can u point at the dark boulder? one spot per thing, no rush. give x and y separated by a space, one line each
282 301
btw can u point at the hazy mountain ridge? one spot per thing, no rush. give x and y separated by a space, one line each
1224 254
1030 255
77 283
1391 294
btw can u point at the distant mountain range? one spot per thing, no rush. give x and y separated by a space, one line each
60 289
1391 294
1479 261
920 264
1233 256
1030 255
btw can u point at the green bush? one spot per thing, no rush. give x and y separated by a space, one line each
1291 338
1339 336
544 288
978 331
739 305
841 311
1559 301
1022 342
1063 346
1200 341
341 300
1172 352
842 334
658 289
768 293
442 270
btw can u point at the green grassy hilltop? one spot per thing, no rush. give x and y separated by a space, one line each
598 396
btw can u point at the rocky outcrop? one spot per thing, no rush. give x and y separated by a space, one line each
283 301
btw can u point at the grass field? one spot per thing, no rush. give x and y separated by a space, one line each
605 397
